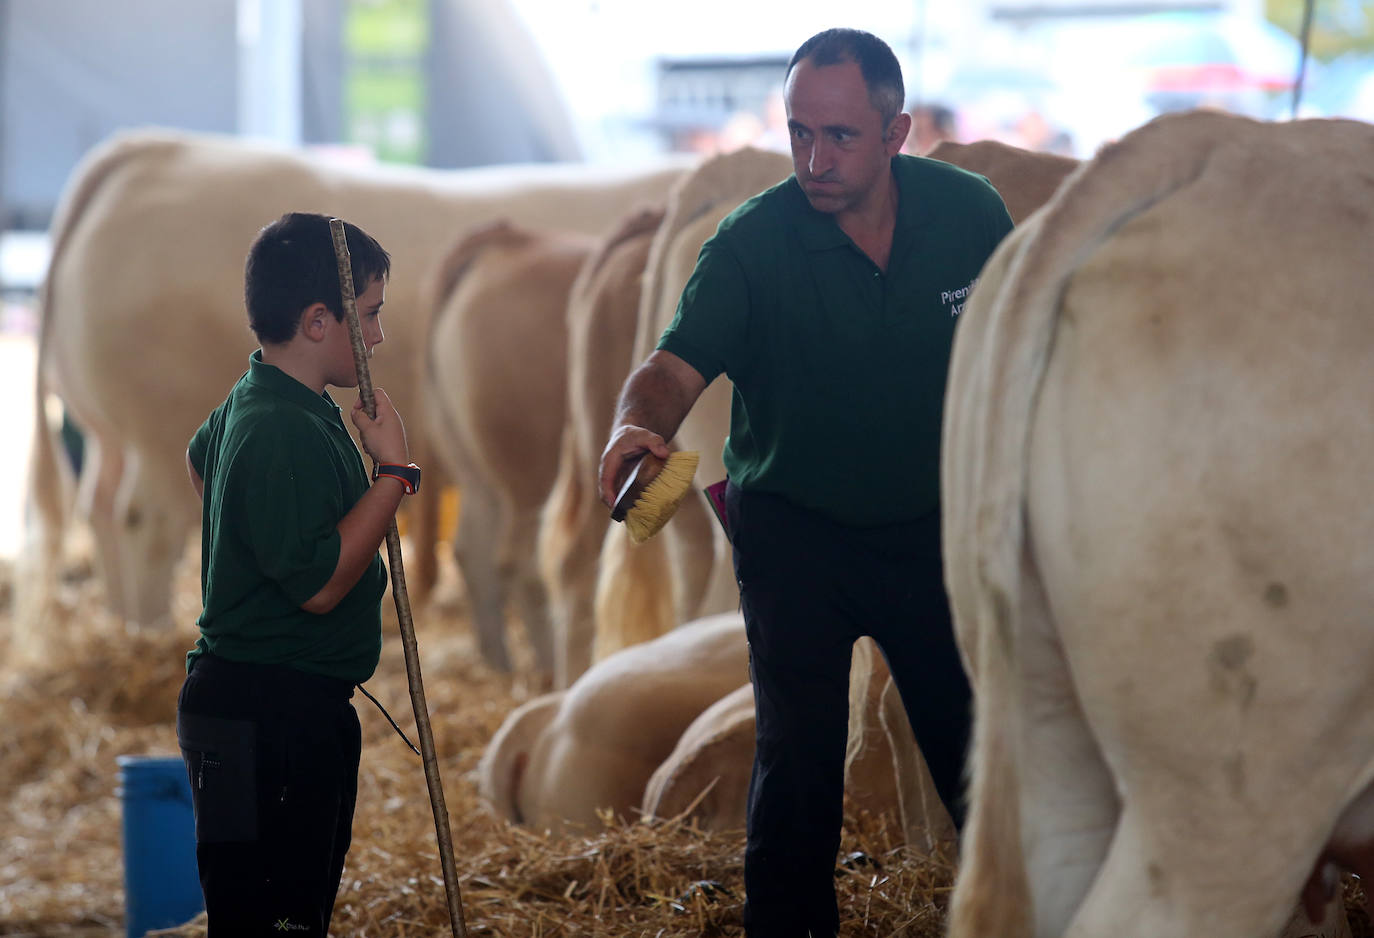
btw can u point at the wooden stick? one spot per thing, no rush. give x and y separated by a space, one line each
398 592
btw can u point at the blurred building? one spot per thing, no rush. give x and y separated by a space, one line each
443 83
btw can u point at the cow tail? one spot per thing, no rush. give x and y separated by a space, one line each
1074 224
992 893
635 600
992 897
51 483
50 487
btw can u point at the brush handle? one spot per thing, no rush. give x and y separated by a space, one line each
646 469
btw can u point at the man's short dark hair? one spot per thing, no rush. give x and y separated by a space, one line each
877 63
291 266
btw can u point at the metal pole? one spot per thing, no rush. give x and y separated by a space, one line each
398 593
1302 60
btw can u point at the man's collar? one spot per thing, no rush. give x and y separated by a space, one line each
819 231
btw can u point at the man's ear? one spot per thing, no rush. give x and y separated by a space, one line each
897 132
315 320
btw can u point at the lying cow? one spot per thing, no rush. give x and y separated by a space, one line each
140 344
1159 538
494 385
666 729
706 777
560 758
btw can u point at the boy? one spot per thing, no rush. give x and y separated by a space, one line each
291 582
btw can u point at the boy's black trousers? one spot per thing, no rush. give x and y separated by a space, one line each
809 588
272 754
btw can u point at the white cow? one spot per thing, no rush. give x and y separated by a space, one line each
1160 540
495 380
706 777
664 727
559 759
143 329
646 590
601 331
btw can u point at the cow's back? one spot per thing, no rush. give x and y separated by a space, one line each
1026 179
144 327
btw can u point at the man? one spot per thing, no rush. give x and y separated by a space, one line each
830 301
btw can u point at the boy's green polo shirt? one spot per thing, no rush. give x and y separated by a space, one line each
280 471
839 368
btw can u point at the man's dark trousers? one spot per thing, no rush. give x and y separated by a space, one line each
809 588
272 754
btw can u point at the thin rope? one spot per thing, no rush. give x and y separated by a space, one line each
398 730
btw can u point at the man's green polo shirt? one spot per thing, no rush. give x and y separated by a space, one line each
839 368
280 471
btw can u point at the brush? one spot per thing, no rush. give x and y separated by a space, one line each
652 493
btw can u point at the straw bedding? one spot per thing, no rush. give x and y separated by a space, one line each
104 691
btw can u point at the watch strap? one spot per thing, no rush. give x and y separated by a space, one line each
408 475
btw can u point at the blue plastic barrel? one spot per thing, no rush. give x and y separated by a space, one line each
161 887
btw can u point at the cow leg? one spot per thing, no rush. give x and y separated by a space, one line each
422 511
1069 807
1158 881
475 551
691 552
529 591
96 493
574 624
153 532
571 527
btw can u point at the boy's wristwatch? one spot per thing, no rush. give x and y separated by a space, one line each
409 476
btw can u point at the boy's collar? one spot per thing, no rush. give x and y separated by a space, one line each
272 378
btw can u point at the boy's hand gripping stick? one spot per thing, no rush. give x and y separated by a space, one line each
398 592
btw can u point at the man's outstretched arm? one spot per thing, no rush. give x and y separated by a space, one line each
653 403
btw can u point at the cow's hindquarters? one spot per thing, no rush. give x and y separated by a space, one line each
1197 510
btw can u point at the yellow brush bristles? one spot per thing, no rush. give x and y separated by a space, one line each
661 497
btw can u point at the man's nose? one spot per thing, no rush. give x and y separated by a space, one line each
820 162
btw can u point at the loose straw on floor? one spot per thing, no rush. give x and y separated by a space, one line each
398 592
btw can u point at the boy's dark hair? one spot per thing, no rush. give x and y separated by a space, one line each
876 61
291 265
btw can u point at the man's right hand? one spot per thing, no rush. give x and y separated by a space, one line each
626 443
658 393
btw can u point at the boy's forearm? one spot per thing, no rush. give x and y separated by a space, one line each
361 532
